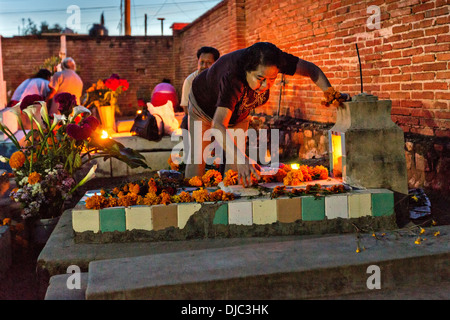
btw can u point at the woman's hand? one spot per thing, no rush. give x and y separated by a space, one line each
245 172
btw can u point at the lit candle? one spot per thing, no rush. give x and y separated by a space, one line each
104 134
295 166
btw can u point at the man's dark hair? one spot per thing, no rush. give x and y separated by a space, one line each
43 74
213 51
261 53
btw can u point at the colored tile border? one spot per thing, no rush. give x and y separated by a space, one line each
112 219
244 211
313 208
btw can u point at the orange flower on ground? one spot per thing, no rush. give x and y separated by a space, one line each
211 178
152 187
293 178
201 195
96 202
183 197
165 198
34 178
320 172
216 195
17 160
196 181
231 178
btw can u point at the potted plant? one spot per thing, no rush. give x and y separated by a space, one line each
53 151
103 95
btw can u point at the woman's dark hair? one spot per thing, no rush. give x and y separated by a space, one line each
261 53
43 74
213 51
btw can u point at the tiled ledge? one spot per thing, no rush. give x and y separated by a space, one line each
243 213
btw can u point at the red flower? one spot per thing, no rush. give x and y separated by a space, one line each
83 130
66 102
30 100
92 122
114 82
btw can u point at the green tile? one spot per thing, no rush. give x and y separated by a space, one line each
382 203
313 209
112 219
221 215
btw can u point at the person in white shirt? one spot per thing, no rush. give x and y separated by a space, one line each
206 56
66 80
37 84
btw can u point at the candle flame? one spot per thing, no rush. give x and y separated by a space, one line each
295 166
104 134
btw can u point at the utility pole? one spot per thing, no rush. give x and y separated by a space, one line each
145 23
127 18
162 25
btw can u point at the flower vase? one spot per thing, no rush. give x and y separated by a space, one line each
108 118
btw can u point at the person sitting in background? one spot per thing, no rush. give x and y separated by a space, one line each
66 80
37 84
206 56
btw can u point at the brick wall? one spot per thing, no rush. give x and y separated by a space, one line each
405 59
143 61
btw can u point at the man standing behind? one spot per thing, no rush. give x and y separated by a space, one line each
206 57
66 80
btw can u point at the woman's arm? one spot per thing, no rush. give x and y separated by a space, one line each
245 168
309 69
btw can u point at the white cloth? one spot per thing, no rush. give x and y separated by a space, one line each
187 85
166 112
31 86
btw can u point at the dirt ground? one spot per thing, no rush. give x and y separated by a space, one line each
20 283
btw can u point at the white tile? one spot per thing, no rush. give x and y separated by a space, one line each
240 212
184 211
264 211
86 220
336 206
138 217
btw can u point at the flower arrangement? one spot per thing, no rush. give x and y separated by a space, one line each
333 98
152 191
105 92
54 151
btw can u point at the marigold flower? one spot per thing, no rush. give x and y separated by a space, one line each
34 178
151 199
231 178
135 189
216 195
17 160
211 178
201 195
152 187
196 181
6 221
185 197
165 198
437 233
96 202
